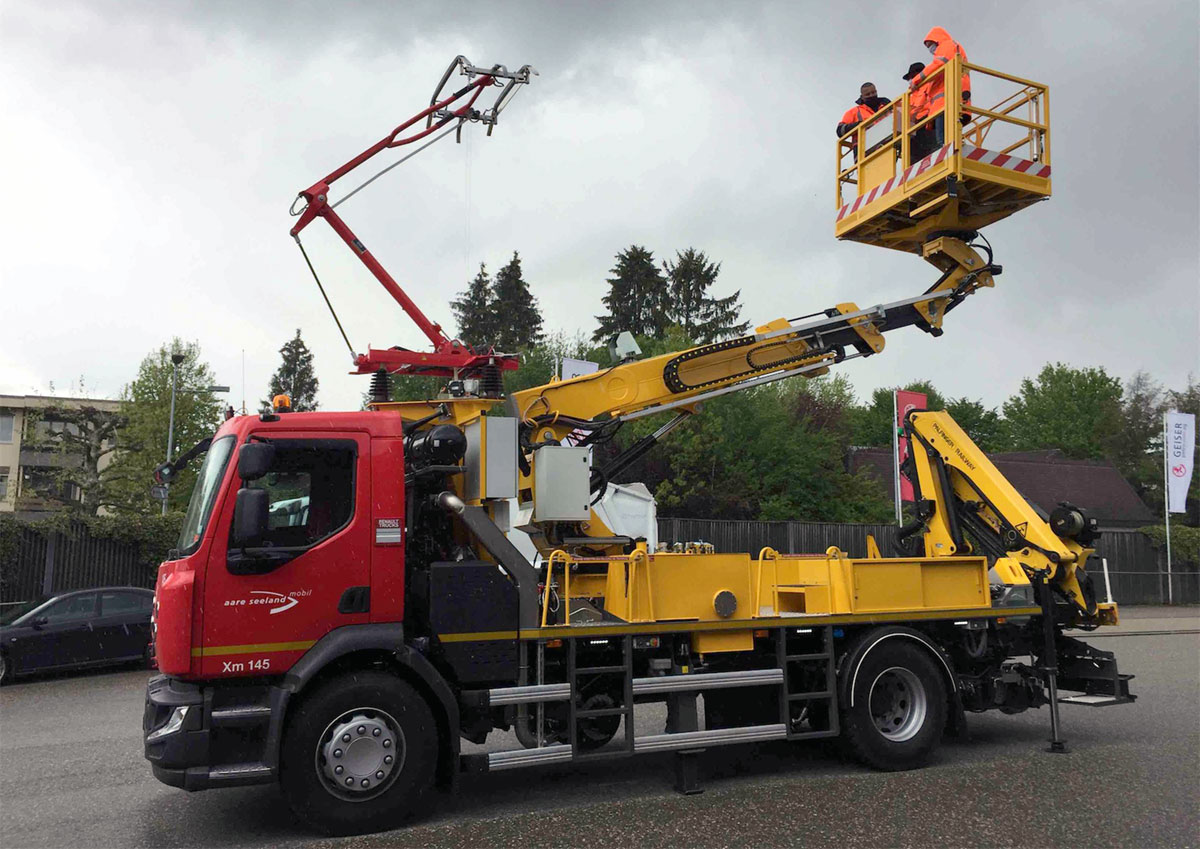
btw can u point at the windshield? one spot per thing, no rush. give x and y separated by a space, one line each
11 614
204 495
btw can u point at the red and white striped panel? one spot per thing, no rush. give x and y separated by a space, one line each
914 170
1000 160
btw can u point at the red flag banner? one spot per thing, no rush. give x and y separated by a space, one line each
905 403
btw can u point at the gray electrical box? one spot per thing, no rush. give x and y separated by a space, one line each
490 465
562 484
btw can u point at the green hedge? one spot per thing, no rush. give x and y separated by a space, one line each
1185 541
151 536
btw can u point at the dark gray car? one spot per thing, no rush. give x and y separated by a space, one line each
76 630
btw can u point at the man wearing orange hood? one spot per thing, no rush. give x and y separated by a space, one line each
943 48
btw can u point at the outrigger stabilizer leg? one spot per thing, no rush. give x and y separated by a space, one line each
1049 661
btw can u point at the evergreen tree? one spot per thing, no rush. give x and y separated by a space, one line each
475 311
636 299
689 305
515 310
294 377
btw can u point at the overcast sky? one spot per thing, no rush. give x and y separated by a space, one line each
152 151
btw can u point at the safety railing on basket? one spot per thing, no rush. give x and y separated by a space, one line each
894 138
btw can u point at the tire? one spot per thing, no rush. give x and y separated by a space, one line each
384 717
899 707
6 669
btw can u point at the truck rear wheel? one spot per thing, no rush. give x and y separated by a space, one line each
359 754
898 707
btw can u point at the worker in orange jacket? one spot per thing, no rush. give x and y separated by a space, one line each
943 48
869 102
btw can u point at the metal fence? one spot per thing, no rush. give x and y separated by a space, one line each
1137 569
59 561
56 561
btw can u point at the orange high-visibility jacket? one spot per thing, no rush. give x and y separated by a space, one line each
945 50
918 103
856 114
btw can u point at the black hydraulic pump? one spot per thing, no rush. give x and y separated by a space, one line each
441 445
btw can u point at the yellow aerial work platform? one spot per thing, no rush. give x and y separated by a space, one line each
899 185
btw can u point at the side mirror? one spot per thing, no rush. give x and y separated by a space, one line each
41 622
255 460
249 517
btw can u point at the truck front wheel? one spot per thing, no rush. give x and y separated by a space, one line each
359 754
898 707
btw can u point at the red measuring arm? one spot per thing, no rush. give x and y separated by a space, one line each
450 357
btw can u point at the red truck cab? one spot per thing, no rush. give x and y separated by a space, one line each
335 497
321 578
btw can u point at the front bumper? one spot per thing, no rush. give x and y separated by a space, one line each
197 736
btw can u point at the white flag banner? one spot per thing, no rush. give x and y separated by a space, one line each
1179 456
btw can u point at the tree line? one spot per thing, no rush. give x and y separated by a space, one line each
108 457
773 452
780 451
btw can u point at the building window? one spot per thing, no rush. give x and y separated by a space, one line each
3 485
6 427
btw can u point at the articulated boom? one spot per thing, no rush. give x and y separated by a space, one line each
963 502
806 346
450 357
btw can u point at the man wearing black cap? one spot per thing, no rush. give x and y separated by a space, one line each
921 143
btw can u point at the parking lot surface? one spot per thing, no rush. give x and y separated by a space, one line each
72 774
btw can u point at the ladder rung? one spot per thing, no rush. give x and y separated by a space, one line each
822 694
597 670
824 656
582 714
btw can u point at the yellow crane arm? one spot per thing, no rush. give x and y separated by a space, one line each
964 502
806 346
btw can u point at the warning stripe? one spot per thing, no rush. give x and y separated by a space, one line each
252 648
975 154
914 170
1000 160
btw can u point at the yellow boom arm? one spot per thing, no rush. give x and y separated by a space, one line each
963 502
806 346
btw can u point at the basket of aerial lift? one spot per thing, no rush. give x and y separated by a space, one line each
898 188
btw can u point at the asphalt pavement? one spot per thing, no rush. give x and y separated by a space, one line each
72 774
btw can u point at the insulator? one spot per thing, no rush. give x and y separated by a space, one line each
491 382
381 386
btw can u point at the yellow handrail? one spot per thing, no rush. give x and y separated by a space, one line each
558 554
1033 95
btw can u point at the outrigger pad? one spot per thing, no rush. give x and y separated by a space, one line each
1091 672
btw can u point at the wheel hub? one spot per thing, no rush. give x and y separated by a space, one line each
360 753
898 704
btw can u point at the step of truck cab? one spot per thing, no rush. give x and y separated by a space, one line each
1096 700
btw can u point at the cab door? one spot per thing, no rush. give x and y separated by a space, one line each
264 607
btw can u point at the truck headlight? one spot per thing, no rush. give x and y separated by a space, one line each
171 725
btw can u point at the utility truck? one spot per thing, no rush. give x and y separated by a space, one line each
355 593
